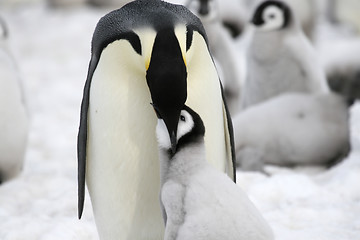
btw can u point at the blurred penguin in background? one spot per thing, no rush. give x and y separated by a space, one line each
222 45
65 3
345 12
306 12
13 114
338 43
97 3
279 57
108 3
295 129
341 61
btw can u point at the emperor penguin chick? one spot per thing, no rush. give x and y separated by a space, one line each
198 201
279 57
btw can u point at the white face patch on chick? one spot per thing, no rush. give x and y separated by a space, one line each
185 125
273 17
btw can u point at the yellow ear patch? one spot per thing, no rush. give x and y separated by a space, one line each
147 64
184 60
147 37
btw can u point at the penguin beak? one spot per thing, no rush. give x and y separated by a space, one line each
173 141
171 122
166 78
171 119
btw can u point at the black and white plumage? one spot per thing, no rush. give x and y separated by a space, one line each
279 57
14 119
147 51
198 201
306 11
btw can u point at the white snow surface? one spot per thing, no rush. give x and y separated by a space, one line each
52 48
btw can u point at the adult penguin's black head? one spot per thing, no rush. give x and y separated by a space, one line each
167 80
272 15
166 71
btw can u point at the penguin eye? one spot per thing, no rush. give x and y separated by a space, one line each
182 118
272 16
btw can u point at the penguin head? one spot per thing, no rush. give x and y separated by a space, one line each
272 15
167 80
190 128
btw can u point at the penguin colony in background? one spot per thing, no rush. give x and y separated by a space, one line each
279 58
290 118
293 129
14 119
156 52
198 201
149 51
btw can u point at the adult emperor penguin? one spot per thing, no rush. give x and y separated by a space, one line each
14 119
279 57
198 201
149 51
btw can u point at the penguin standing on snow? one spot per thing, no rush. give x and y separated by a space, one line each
198 201
280 58
14 119
147 51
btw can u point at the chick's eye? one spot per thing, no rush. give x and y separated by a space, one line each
272 16
182 118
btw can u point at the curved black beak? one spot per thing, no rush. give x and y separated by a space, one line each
167 81
171 122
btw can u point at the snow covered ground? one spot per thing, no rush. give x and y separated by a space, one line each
52 48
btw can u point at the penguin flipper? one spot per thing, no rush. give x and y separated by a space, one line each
82 136
229 133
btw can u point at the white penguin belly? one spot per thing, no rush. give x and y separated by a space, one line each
123 179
